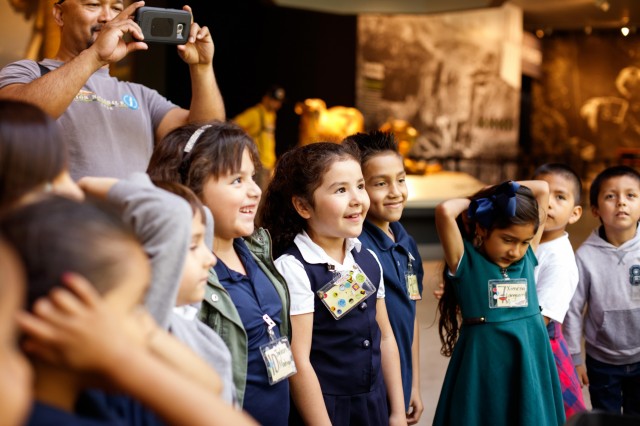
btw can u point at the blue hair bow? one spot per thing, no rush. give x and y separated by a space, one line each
485 210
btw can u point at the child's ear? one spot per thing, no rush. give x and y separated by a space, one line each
481 231
302 207
594 211
576 214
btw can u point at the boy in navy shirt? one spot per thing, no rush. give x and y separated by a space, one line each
384 175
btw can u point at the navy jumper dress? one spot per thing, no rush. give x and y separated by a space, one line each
345 353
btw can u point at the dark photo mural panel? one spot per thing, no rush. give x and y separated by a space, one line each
454 77
586 106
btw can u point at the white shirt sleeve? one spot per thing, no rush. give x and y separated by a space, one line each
300 293
381 291
556 280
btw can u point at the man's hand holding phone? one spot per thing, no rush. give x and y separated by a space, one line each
109 46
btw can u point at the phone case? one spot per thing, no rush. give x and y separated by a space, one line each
159 25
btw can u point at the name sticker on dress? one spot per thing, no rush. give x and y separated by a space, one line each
508 293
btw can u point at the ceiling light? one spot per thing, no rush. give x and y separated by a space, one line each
624 31
603 5
588 30
539 33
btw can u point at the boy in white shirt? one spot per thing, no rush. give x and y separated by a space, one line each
557 273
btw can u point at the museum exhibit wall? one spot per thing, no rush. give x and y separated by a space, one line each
582 107
586 105
456 77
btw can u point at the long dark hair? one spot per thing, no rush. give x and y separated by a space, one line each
57 235
525 213
32 153
298 173
217 150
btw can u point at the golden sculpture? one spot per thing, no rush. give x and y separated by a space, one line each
317 123
406 136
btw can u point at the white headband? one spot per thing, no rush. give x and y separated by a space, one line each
194 138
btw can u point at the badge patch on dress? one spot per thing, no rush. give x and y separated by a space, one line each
508 293
346 291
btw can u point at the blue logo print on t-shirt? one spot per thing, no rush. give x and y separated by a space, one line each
130 101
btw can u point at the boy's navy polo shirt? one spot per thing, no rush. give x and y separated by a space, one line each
394 258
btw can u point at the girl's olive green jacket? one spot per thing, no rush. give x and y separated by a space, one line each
219 312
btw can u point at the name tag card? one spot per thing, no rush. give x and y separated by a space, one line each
278 359
412 286
508 293
346 291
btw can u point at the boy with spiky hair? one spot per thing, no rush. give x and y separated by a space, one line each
385 182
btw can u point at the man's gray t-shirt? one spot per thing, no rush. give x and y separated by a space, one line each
109 126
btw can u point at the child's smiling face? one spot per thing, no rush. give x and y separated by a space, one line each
385 181
340 202
233 199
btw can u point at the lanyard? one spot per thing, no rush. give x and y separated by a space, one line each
270 325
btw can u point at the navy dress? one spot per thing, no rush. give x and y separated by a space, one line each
254 295
95 407
345 353
394 258
89 412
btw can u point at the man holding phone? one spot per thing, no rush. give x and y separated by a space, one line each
110 125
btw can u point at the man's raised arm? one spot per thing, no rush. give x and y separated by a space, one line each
55 91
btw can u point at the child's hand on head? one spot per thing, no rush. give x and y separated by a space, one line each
73 327
439 291
468 227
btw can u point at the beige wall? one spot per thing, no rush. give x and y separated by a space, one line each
15 31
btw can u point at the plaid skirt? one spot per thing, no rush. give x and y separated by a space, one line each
569 381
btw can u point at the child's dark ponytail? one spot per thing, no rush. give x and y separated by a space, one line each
277 213
449 323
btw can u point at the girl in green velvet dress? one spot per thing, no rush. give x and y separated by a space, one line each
502 370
